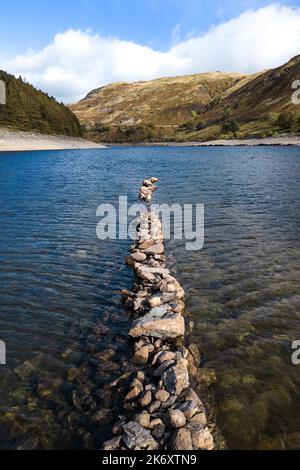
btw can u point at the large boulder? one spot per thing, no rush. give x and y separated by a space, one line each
170 325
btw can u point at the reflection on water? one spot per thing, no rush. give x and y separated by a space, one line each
61 313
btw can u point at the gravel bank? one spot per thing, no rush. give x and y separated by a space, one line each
12 141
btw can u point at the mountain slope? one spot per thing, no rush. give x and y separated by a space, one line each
266 92
168 101
196 107
29 109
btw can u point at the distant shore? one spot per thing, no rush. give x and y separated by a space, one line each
13 141
284 140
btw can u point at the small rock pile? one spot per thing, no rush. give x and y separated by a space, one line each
164 412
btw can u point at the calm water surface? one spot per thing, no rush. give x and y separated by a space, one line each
61 314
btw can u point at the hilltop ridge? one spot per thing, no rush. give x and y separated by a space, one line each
199 107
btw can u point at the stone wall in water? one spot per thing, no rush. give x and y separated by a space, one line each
161 409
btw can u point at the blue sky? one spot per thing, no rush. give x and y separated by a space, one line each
29 28
32 24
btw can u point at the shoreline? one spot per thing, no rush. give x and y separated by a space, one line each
21 141
284 141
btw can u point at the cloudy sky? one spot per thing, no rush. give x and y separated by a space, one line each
68 48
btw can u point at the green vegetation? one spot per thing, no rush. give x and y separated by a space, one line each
29 109
287 120
230 127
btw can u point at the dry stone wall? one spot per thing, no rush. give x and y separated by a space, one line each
162 409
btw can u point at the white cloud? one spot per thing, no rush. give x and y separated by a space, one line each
79 61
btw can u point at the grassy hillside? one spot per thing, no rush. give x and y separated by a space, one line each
29 109
125 112
194 108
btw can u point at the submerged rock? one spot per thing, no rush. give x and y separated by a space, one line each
134 393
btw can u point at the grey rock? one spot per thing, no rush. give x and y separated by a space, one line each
154 407
170 326
176 378
158 311
137 436
162 368
138 256
159 432
157 249
172 400
189 409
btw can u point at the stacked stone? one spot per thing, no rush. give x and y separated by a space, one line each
165 412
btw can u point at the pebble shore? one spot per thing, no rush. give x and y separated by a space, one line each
161 409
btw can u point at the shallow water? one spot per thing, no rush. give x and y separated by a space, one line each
58 282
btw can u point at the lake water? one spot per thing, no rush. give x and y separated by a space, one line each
61 313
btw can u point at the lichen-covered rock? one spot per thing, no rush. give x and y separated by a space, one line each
137 436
